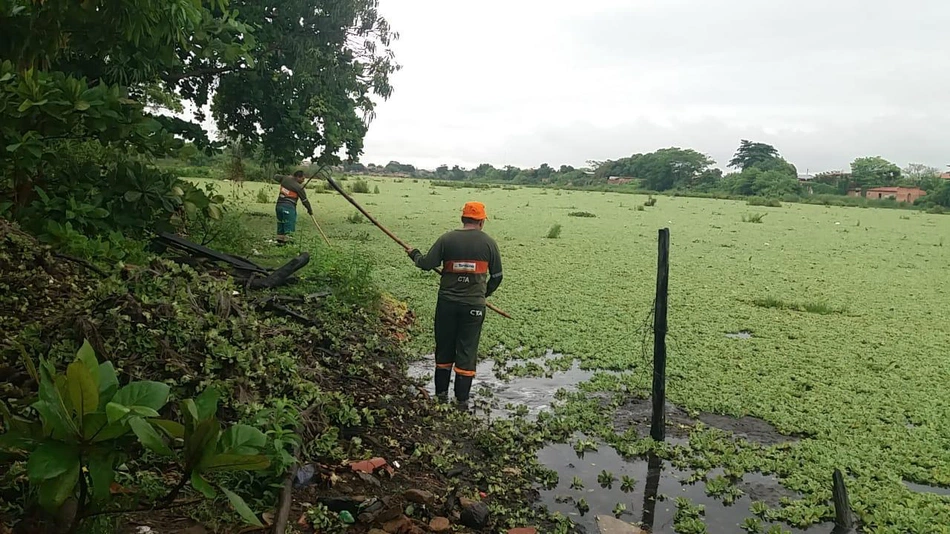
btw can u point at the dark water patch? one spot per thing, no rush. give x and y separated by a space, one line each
494 386
650 502
637 414
924 488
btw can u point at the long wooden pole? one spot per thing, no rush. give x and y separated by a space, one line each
327 239
393 236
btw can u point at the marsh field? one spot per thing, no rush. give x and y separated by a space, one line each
831 324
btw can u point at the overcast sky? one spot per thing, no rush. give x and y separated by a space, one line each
525 82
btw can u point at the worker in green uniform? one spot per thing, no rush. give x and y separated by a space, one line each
291 189
471 271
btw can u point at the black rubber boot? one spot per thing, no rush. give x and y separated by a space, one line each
463 388
442 378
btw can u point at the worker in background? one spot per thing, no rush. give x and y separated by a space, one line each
291 189
471 271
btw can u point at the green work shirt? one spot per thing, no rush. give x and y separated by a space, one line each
290 191
471 265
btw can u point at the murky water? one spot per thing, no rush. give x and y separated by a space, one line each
651 500
744 334
535 393
651 503
923 488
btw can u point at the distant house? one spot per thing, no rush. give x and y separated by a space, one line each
900 194
806 177
945 175
619 180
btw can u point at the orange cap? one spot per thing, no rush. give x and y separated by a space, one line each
474 210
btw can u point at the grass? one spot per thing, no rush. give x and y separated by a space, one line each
586 214
841 379
762 201
355 218
650 201
262 196
753 217
554 232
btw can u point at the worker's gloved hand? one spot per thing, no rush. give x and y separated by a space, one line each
414 253
309 211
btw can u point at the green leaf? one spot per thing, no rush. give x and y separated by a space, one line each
115 411
202 485
242 439
87 356
143 411
81 105
236 462
13 147
149 437
108 383
190 411
52 408
102 474
171 428
207 403
153 395
96 427
28 363
242 508
83 391
132 196
50 460
202 443
215 212
54 492
25 105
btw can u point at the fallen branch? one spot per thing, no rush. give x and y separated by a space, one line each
84 263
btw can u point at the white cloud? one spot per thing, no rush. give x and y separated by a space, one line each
532 81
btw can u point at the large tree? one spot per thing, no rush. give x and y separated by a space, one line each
317 66
918 173
874 171
80 79
750 154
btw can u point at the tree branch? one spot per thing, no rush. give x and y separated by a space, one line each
142 509
172 78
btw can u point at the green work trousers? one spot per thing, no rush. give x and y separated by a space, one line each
458 328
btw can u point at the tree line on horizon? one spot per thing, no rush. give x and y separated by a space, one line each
759 170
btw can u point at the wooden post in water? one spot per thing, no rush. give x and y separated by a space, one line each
658 424
844 522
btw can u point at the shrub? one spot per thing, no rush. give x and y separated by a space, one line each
376 190
937 210
762 201
262 196
640 208
650 201
355 218
581 214
86 425
753 217
554 232
360 186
